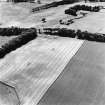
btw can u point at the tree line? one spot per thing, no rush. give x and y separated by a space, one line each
85 35
53 4
18 41
12 31
73 10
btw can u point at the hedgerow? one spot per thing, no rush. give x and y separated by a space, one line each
17 42
11 31
53 4
85 35
73 10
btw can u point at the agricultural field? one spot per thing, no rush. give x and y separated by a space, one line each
40 69
22 16
82 81
36 66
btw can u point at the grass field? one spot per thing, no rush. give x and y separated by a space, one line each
21 15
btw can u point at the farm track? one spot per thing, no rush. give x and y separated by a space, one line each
36 66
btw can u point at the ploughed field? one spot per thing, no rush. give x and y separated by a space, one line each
32 69
82 82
